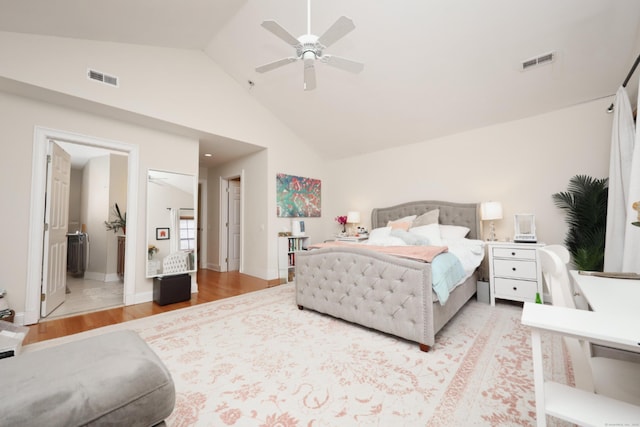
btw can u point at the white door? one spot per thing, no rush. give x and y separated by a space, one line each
54 269
233 254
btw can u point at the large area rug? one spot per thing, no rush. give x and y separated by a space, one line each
256 360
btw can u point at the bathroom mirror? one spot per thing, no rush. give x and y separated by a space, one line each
171 223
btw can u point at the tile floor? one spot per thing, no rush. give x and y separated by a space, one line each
88 295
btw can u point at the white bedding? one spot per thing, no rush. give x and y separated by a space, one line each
469 252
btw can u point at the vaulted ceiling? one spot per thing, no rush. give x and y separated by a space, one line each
432 67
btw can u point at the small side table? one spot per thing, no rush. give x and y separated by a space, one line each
514 271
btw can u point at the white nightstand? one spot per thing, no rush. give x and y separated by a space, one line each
352 239
514 271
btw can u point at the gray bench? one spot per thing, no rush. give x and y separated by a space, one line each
111 379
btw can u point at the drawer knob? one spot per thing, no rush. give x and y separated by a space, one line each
513 268
515 288
513 254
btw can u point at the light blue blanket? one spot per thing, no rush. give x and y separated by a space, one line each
446 272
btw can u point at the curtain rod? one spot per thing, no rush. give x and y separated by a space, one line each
624 84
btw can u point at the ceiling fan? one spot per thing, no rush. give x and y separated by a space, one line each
310 48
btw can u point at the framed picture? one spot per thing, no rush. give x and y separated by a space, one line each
162 233
297 196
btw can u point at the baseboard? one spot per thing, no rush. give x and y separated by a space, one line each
214 267
94 275
112 277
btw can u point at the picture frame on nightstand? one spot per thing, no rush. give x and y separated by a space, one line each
524 228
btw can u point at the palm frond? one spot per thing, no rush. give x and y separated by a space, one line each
585 204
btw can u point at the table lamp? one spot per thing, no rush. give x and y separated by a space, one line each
490 211
353 218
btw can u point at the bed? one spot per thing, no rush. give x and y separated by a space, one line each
384 292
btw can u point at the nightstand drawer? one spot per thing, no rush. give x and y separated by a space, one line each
514 253
515 269
517 290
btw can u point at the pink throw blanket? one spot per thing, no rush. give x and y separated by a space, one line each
422 253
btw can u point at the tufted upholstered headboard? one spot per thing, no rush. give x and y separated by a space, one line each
464 214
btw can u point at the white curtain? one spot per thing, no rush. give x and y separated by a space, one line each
622 141
622 247
631 256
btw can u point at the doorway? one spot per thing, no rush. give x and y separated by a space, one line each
42 138
231 216
97 184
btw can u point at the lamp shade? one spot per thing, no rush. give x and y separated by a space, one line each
490 211
353 217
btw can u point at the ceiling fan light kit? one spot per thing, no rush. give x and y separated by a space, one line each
310 48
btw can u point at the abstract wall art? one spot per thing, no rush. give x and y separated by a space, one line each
297 196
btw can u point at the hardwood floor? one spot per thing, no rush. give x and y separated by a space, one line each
212 286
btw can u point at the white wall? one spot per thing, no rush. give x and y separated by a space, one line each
520 163
185 88
18 117
95 211
117 174
260 224
75 201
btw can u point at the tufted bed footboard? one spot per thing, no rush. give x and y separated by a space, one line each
379 291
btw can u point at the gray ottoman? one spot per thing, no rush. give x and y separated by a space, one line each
112 379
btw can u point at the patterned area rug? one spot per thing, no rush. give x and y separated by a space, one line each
256 360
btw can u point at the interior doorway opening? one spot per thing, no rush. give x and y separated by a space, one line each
231 216
93 266
36 256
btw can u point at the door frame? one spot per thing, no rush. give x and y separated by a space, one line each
203 219
223 214
41 138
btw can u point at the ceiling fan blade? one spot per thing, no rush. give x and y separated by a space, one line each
309 74
280 32
343 63
338 30
272 65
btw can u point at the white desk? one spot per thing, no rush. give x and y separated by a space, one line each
605 294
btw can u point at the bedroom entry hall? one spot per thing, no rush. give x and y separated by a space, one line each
83 259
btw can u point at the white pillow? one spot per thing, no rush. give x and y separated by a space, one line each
453 231
378 235
431 232
410 239
387 241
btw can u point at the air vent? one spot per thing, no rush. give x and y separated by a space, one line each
102 78
547 58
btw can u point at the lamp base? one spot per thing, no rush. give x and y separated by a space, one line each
492 233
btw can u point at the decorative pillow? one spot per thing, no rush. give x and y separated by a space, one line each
408 219
453 231
399 225
410 238
431 232
430 217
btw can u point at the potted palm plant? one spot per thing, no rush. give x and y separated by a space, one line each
119 222
585 203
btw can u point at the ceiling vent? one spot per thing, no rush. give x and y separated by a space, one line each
547 58
102 77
